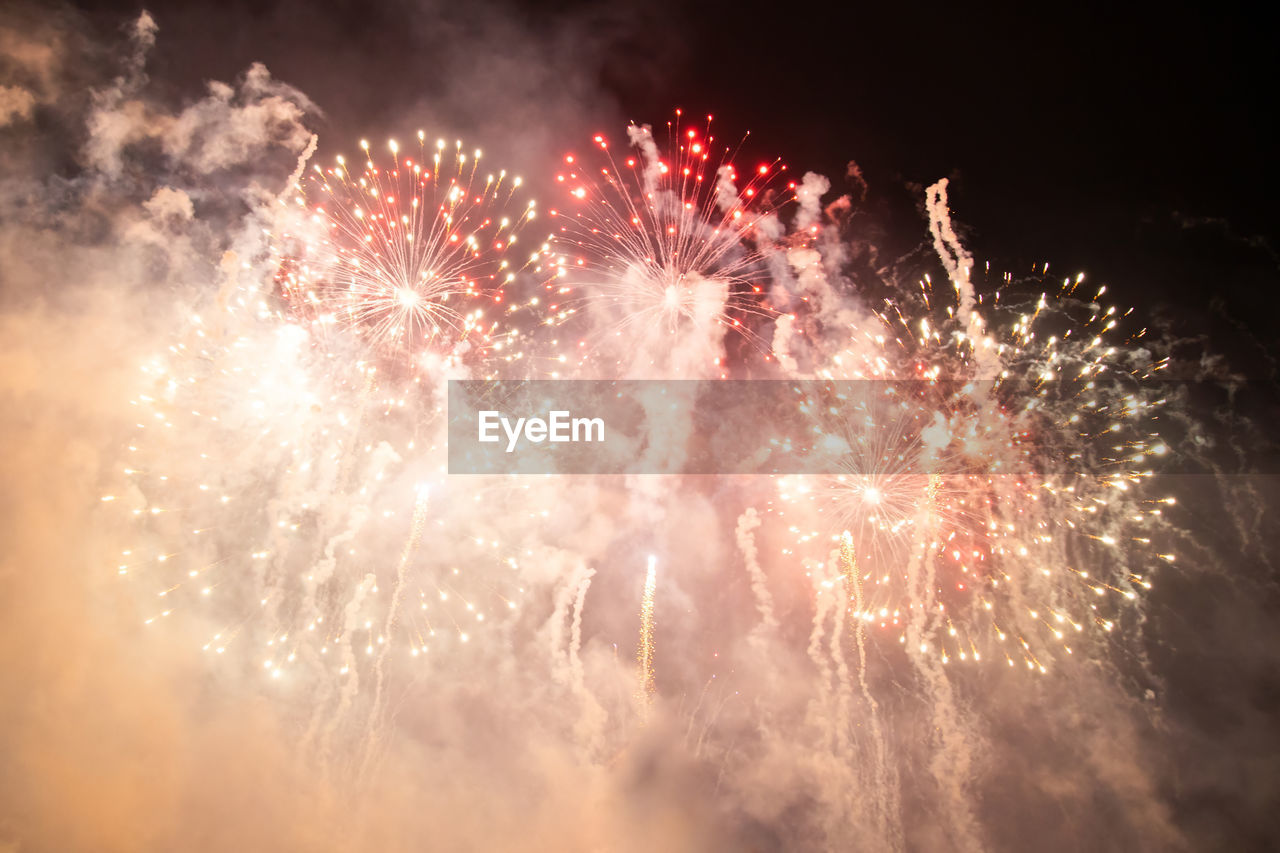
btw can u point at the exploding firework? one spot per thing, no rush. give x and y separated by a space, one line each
414 255
276 451
669 243
263 481
994 462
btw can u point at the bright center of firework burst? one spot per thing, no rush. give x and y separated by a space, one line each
407 298
871 495
671 298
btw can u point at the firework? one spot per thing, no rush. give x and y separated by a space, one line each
667 242
413 252
990 477
274 448
994 466
644 653
276 443
262 483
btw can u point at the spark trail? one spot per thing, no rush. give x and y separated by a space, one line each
644 654
377 709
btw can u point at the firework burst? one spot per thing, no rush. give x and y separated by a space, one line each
984 472
413 255
276 450
263 481
668 242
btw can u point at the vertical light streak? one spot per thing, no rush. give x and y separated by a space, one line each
644 655
885 799
410 545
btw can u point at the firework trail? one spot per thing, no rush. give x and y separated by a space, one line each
747 523
824 603
349 673
644 653
591 720
844 684
958 264
575 631
591 724
952 761
885 787
377 709
563 650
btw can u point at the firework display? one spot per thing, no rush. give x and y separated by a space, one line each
287 492
435 442
328 407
